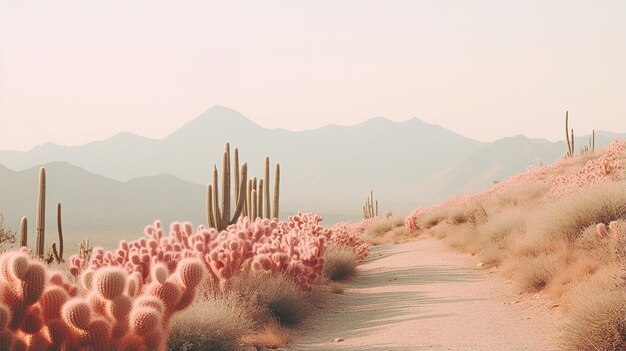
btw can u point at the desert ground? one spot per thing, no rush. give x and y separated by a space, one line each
420 295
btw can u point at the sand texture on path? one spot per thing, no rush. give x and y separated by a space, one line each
421 295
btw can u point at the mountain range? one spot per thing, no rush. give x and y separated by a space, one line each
125 182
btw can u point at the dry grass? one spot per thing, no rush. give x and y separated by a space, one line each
271 336
340 263
473 212
569 217
210 323
596 316
385 231
278 295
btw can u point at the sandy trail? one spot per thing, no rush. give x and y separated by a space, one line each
422 296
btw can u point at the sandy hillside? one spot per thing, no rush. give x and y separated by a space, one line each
422 296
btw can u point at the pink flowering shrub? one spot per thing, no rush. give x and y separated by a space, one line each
294 247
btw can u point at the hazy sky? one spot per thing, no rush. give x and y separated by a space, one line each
75 71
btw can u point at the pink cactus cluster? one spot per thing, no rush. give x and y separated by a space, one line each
348 235
559 176
294 247
113 310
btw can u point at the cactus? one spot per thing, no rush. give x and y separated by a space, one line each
58 256
569 139
85 249
41 214
370 207
53 254
219 216
38 312
219 212
24 232
275 210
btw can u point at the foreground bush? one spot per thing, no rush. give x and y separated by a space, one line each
340 263
278 295
211 323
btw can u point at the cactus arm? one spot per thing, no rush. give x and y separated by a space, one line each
254 205
236 175
216 207
241 190
260 198
225 186
276 190
24 232
266 194
249 199
58 255
41 213
593 140
209 206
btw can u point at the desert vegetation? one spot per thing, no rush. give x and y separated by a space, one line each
557 230
242 280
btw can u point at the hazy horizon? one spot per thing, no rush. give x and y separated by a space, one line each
73 72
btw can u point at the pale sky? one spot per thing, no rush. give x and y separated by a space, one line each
77 71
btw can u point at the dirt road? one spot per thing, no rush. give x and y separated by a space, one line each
422 296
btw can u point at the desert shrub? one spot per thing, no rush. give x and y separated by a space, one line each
433 218
470 212
210 323
340 263
7 236
520 194
597 313
534 274
500 226
277 294
569 217
389 230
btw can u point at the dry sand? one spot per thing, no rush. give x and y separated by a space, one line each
422 296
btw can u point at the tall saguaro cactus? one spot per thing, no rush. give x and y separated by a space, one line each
219 212
41 226
370 207
251 196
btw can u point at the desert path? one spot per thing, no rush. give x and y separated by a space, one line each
422 296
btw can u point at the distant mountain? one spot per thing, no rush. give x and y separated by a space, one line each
95 206
495 162
124 182
329 169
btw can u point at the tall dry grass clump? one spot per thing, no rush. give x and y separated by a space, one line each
212 323
278 295
386 230
569 217
597 312
340 263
